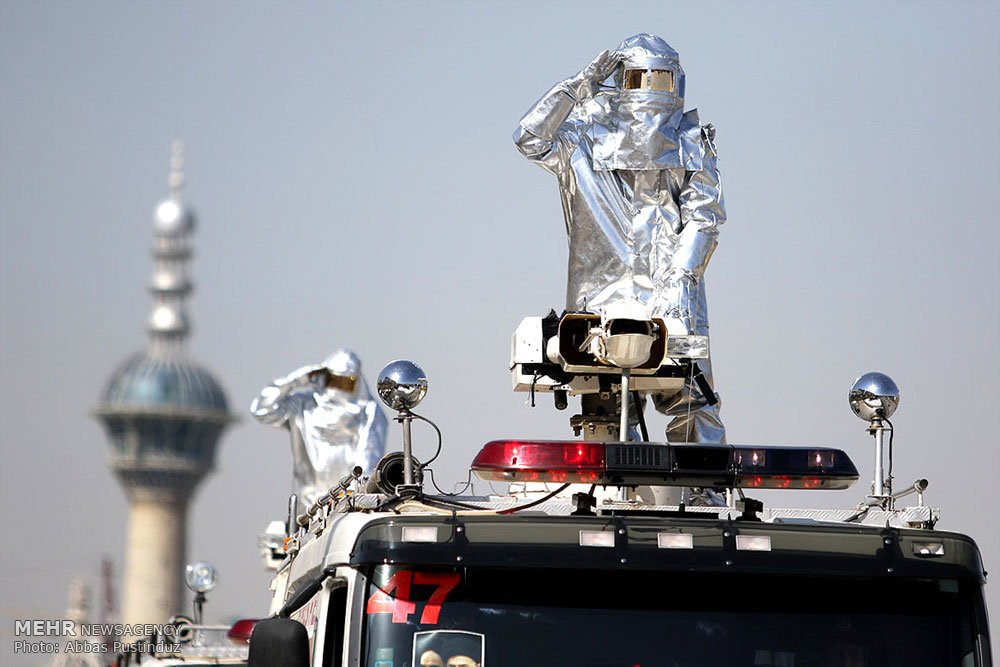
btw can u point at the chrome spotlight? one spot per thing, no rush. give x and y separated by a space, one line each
200 577
874 396
402 385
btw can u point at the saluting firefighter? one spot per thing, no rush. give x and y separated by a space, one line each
641 196
334 421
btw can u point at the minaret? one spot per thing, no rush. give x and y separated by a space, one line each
163 415
78 612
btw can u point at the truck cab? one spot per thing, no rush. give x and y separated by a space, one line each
539 578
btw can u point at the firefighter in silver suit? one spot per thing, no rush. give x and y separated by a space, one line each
641 197
334 421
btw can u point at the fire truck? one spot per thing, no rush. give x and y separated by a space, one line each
608 551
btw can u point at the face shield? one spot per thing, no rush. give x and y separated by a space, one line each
345 383
648 79
343 369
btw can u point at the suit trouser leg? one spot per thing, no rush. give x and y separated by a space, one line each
692 418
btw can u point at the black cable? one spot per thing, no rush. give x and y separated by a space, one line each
449 501
642 417
468 483
892 431
422 418
511 510
385 503
857 515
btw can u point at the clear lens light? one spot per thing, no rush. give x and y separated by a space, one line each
687 347
753 543
597 538
420 533
928 548
754 457
675 540
821 459
200 577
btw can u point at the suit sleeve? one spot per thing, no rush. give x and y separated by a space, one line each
702 211
538 135
271 406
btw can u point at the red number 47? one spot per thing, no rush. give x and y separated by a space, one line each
394 597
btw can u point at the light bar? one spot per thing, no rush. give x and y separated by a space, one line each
655 464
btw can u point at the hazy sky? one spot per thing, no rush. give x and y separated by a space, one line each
356 184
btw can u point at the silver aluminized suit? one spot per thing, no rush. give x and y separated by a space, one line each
332 430
641 197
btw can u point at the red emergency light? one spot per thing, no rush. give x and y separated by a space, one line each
658 464
242 629
541 461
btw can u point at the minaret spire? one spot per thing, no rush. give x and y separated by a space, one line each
176 179
164 415
173 224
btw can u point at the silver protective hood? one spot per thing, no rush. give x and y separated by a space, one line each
344 363
332 430
642 199
645 129
646 51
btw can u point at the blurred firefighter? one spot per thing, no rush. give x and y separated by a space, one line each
334 421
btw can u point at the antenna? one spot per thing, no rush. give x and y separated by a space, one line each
108 614
175 181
